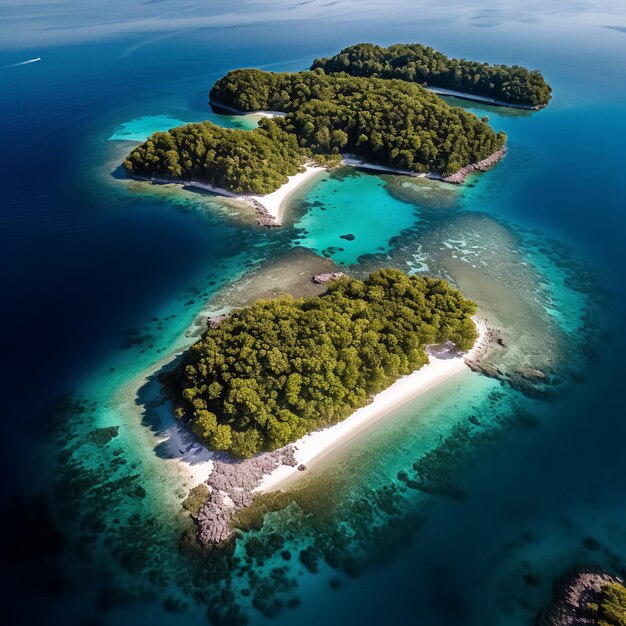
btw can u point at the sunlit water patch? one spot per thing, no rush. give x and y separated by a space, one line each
140 128
349 214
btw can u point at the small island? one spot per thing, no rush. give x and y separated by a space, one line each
368 107
273 371
385 122
275 385
501 85
312 120
589 596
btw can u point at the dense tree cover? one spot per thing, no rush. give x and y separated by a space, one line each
389 122
240 161
611 609
415 63
280 368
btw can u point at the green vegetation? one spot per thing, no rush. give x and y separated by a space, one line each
420 64
280 368
394 123
197 497
391 123
241 161
611 608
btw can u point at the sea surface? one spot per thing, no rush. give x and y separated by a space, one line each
457 509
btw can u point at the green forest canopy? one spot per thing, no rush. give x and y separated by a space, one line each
611 609
280 368
388 122
240 161
415 63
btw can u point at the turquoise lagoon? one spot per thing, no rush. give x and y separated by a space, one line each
349 214
458 508
141 128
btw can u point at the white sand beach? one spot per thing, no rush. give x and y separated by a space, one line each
352 161
441 91
311 448
275 203
272 203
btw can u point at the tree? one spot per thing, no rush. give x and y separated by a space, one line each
287 366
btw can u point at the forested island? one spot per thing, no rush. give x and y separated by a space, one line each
386 122
588 596
240 161
275 370
415 63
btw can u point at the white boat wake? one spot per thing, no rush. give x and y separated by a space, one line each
6 67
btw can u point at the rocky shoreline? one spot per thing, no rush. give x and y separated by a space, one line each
575 595
458 178
320 279
231 485
265 219
492 338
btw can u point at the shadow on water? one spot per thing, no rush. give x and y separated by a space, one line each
157 414
120 173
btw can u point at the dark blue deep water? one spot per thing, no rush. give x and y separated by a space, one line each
87 265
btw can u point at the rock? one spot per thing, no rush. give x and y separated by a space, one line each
480 166
591 544
531 374
301 467
265 218
231 484
573 594
214 322
319 279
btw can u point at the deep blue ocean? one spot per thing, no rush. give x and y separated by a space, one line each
101 279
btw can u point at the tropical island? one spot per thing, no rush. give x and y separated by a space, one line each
273 386
273 371
586 595
324 120
367 107
505 85
386 122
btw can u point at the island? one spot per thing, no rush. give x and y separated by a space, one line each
275 370
386 122
326 119
501 85
309 371
586 595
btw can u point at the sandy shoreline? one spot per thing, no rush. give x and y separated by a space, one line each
235 484
352 161
311 448
275 203
270 207
457 178
442 91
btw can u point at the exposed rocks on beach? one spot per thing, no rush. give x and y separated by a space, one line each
231 484
491 338
214 322
480 166
575 594
319 279
530 381
266 219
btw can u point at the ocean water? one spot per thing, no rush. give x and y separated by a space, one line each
342 217
458 508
